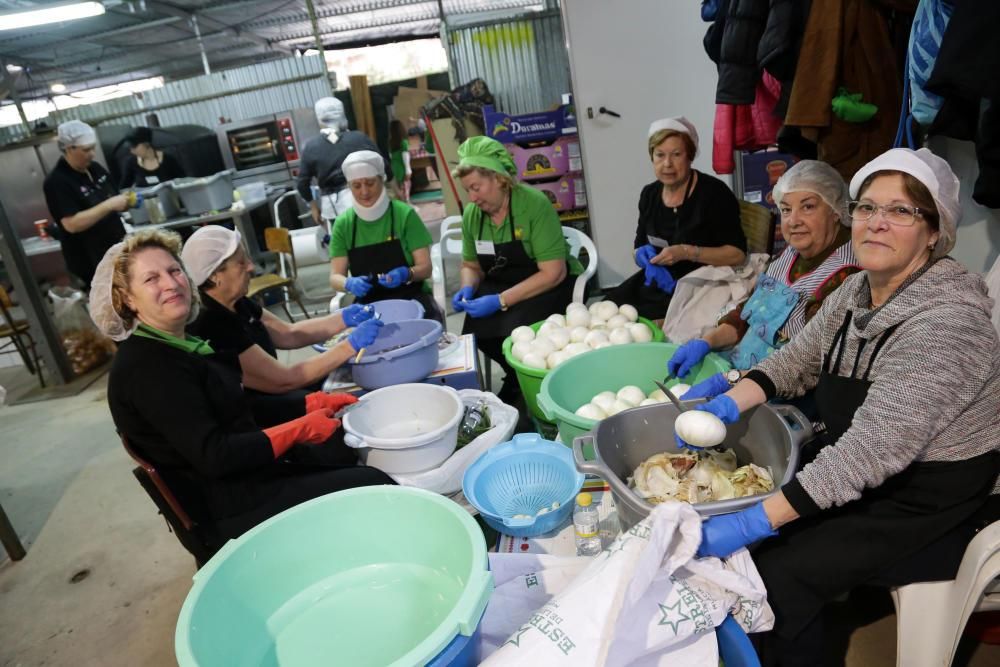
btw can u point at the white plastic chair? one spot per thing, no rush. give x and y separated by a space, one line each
578 240
450 245
931 616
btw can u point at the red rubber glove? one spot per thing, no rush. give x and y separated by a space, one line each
313 429
319 400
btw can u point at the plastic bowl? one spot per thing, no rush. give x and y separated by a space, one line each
380 575
405 351
521 477
577 380
530 378
390 310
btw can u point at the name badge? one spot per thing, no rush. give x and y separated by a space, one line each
485 248
152 180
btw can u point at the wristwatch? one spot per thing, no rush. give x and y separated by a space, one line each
733 376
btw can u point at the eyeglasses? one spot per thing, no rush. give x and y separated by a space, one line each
896 214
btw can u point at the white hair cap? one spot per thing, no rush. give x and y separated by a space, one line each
363 164
330 113
101 309
206 250
678 124
820 179
936 175
75 133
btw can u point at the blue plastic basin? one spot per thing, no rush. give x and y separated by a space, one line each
404 351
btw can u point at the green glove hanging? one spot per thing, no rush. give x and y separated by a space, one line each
849 107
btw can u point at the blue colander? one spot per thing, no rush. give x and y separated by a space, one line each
523 476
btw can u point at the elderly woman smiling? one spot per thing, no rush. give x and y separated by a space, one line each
181 404
812 198
906 370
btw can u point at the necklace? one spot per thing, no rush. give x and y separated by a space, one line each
687 193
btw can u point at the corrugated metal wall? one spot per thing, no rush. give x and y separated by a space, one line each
524 62
266 99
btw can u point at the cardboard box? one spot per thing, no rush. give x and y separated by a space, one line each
545 161
543 126
567 193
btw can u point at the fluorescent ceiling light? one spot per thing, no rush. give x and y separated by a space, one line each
58 88
58 13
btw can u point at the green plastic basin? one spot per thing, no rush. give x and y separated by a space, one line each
530 378
577 380
380 575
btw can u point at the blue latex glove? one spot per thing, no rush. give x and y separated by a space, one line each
484 306
687 356
710 388
365 334
723 534
355 314
395 278
659 275
722 407
643 254
461 297
358 285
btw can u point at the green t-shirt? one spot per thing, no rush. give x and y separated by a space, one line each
409 229
536 224
396 160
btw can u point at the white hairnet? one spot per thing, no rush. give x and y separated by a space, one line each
330 113
75 133
678 124
820 179
363 164
101 309
206 250
936 175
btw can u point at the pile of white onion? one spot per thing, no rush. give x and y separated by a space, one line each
580 330
609 403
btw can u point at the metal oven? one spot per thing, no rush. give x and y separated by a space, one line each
267 148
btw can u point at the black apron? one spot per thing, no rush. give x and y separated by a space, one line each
371 260
817 558
507 266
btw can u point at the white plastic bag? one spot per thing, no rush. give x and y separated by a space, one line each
643 600
447 478
85 345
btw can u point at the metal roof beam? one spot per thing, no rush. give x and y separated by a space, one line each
170 10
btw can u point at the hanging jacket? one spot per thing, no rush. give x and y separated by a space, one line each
925 41
743 26
746 127
778 51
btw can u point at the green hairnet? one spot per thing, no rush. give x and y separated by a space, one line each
488 154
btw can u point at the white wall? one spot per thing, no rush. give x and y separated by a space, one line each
978 240
643 59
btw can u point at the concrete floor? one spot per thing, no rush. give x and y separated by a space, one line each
104 580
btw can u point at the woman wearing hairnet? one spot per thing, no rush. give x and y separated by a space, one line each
322 158
516 265
812 198
382 242
181 405
219 266
686 219
905 366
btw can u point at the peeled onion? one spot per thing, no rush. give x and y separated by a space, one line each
618 406
592 309
556 358
522 334
640 332
601 343
648 401
590 411
604 400
616 321
629 312
679 389
577 318
559 338
630 394
620 337
574 349
658 396
542 347
546 328
594 337
578 334
607 309
534 360
520 348
700 428
576 305
597 323
558 318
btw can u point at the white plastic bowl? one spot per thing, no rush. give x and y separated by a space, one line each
406 427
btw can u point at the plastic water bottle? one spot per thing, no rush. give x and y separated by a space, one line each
586 526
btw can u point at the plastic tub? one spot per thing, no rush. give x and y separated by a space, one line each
530 378
390 310
763 436
208 193
162 196
404 351
521 477
405 428
577 380
380 575
253 192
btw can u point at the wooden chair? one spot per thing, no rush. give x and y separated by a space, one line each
19 335
758 227
277 239
199 539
